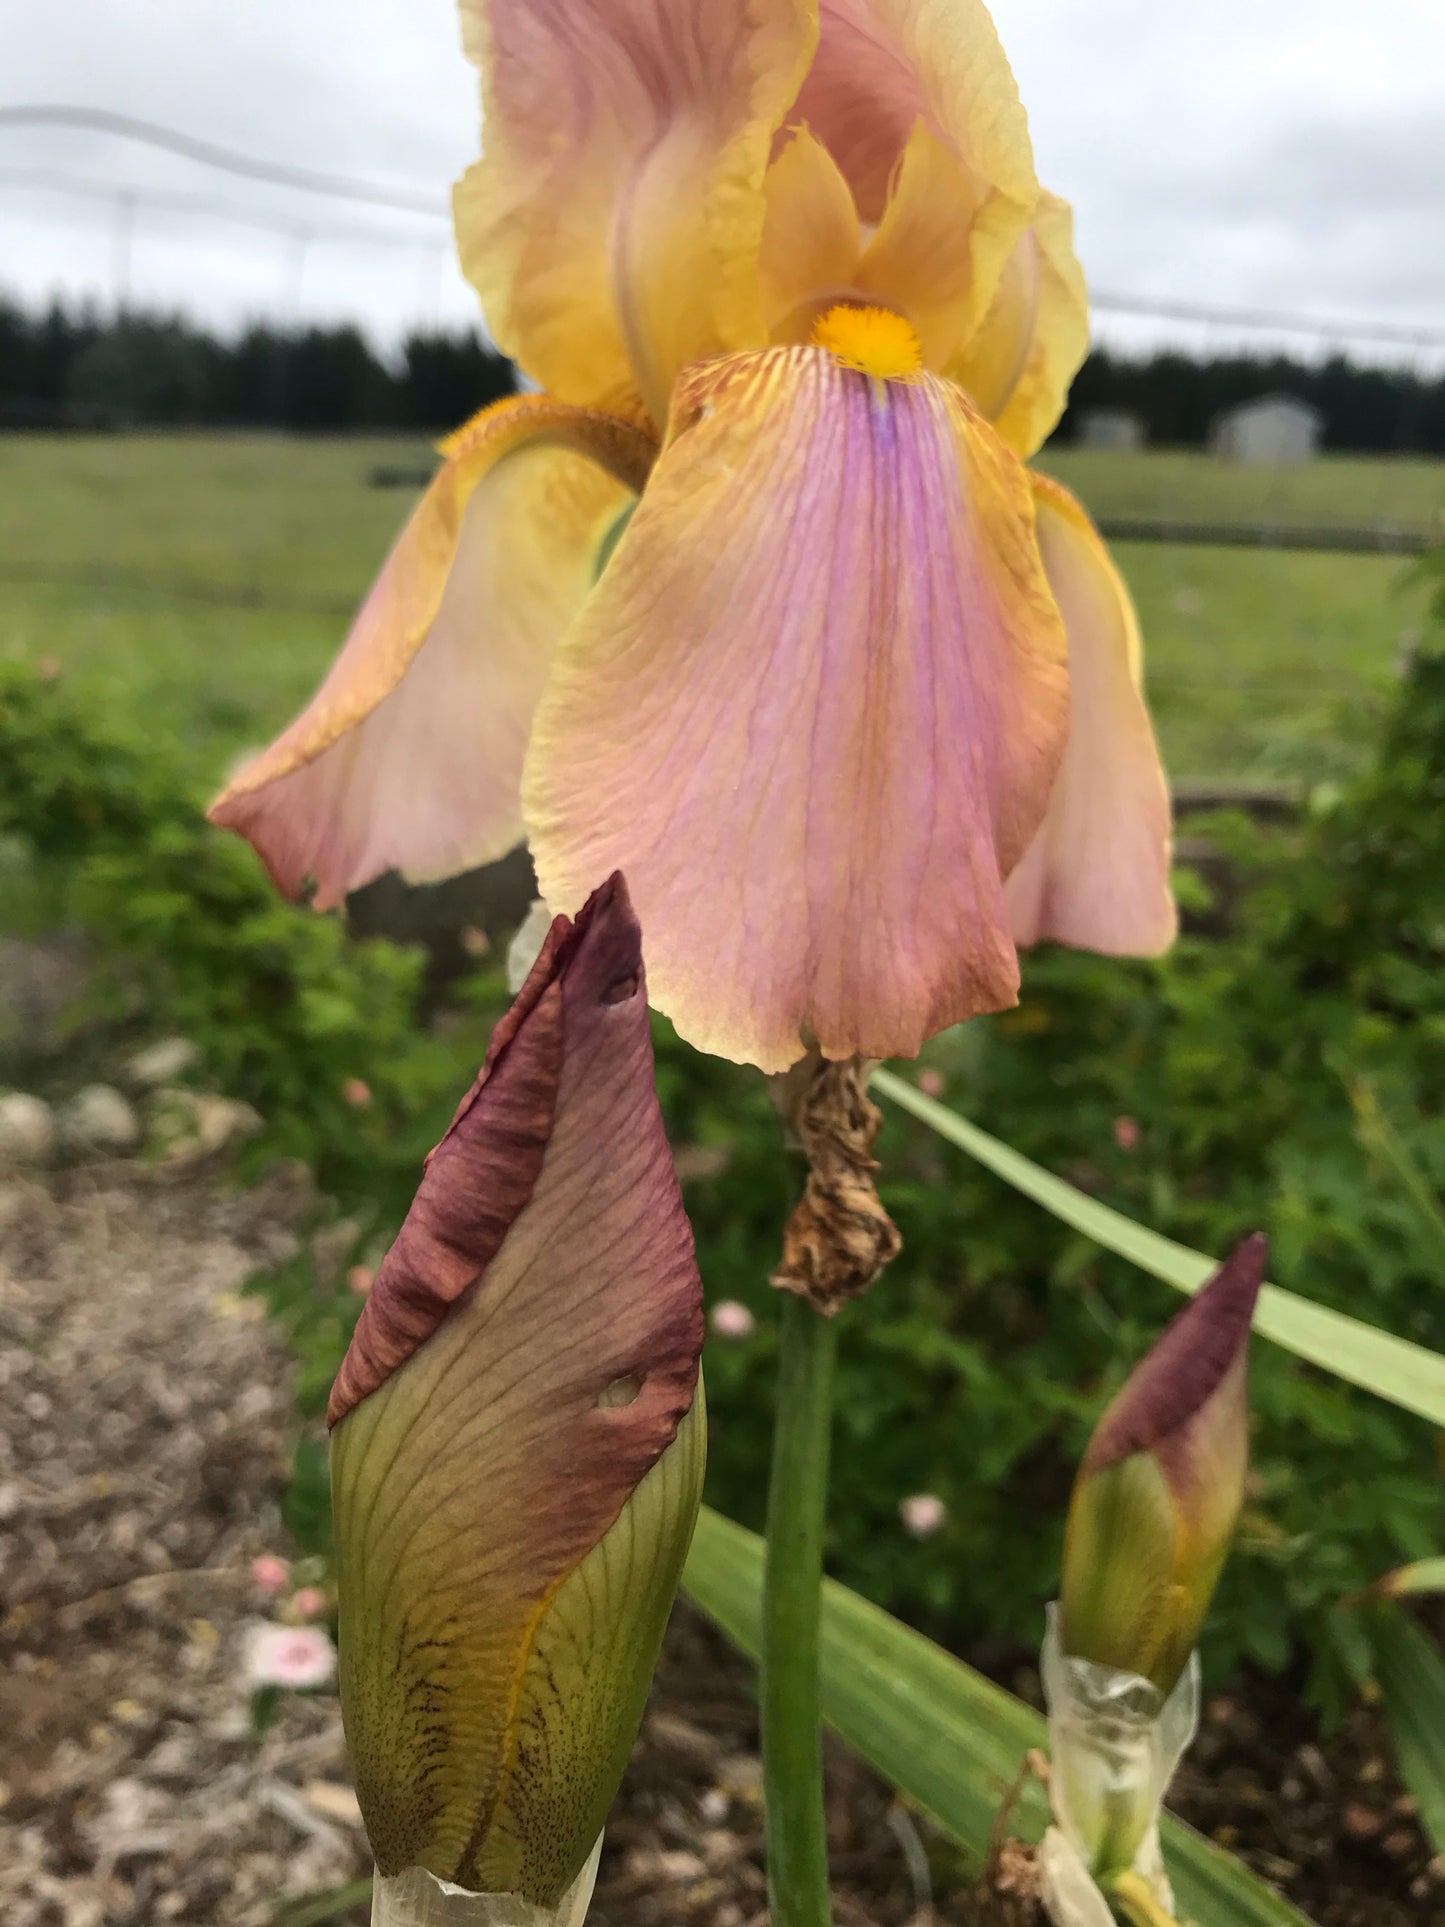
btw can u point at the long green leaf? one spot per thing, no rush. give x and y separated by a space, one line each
941 1733
316 1910
1426 1575
1411 1673
1393 1368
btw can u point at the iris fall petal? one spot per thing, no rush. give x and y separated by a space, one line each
613 224
814 708
1097 874
410 754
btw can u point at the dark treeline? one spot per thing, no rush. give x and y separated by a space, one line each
1364 410
79 369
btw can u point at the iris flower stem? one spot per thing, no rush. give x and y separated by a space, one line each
797 1836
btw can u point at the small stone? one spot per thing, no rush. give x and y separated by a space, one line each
673 1734
332 1801
1361 1822
100 1121
191 1125
162 1063
27 1130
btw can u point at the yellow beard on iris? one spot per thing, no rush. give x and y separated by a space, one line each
872 341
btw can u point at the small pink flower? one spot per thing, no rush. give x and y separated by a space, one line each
1126 1133
360 1279
357 1093
923 1514
309 1601
270 1572
297 1656
729 1319
931 1083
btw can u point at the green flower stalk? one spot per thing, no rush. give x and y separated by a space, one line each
517 1455
1154 1508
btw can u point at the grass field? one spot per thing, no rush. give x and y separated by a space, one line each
118 554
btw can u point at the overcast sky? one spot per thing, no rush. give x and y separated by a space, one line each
1286 154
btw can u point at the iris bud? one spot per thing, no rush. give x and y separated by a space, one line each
516 1457
1160 1487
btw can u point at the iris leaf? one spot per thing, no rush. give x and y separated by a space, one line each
1406 1374
949 1739
1411 1673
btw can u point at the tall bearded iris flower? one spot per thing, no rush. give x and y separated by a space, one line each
852 697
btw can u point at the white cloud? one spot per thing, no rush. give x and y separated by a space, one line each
1247 152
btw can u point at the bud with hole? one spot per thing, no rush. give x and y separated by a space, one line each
516 1453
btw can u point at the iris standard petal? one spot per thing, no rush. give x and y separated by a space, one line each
1097 874
1019 365
883 65
410 754
811 238
814 708
612 226
522 1367
941 246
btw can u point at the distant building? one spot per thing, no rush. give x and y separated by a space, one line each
1268 433
1111 428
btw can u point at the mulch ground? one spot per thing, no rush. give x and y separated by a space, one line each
146 1429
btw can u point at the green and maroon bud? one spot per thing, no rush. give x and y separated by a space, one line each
516 1456
1159 1492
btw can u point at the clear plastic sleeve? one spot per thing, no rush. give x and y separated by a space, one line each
417 1898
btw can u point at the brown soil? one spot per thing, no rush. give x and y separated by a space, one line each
146 1427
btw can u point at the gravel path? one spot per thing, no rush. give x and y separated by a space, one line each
146 1434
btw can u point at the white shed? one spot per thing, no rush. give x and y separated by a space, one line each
1113 428
1268 433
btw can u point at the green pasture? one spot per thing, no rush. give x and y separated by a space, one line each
201 583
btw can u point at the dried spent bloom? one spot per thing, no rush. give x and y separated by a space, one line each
923 1514
517 1448
301 1657
270 1572
730 1319
853 697
1161 1485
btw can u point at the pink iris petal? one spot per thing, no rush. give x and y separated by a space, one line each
409 755
1097 874
883 65
814 707
613 223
